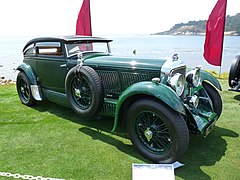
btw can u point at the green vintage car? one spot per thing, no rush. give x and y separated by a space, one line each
159 101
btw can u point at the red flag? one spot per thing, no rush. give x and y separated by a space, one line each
83 26
215 26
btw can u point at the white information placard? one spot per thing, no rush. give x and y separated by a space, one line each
153 172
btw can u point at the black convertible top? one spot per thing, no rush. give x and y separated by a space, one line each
66 39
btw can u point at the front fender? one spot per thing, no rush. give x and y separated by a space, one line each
29 72
156 90
205 76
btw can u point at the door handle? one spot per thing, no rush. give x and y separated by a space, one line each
63 65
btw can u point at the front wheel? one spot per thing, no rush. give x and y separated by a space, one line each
215 97
159 133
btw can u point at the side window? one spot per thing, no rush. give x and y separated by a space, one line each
49 49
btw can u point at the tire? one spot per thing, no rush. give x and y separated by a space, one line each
215 97
24 91
234 73
84 90
159 133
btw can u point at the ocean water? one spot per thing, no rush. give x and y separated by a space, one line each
189 49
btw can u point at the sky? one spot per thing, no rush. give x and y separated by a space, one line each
58 17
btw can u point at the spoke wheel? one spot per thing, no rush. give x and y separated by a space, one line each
84 90
23 89
153 132
158 132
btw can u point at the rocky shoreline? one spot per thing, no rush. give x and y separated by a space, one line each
4 81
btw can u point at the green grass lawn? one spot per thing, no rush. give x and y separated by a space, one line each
52 141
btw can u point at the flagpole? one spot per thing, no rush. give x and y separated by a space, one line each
220 71
224 22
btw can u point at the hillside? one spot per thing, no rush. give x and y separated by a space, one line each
232 27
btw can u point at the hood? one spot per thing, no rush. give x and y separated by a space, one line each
124 62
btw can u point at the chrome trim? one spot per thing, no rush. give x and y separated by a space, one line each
109 48
156 80
36 92
193 77
48 44
177 82
63 65
194 101
171 65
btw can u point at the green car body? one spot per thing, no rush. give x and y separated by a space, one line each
117 85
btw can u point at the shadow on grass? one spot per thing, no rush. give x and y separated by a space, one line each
201 152
204 152
237 97
100 123
125 148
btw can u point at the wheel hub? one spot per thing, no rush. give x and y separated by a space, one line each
77 93
148 134
22 89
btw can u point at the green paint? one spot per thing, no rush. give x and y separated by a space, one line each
27 69
149 89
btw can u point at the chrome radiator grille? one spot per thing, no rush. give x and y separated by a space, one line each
129 78
111 81
114 82
108 109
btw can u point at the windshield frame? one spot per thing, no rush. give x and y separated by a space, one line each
88 45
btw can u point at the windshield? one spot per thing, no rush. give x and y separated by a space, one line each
75 48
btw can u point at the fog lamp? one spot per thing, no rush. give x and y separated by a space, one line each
194 101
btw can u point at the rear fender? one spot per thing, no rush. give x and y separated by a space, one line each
29 72
35 89
149 89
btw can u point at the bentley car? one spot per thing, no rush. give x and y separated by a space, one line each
234 75
158 101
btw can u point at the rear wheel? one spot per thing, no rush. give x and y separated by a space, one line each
159 133
24 91
234 73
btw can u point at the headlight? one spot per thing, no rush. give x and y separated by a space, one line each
177 82
194 77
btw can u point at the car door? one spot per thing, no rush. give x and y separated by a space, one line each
52 66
